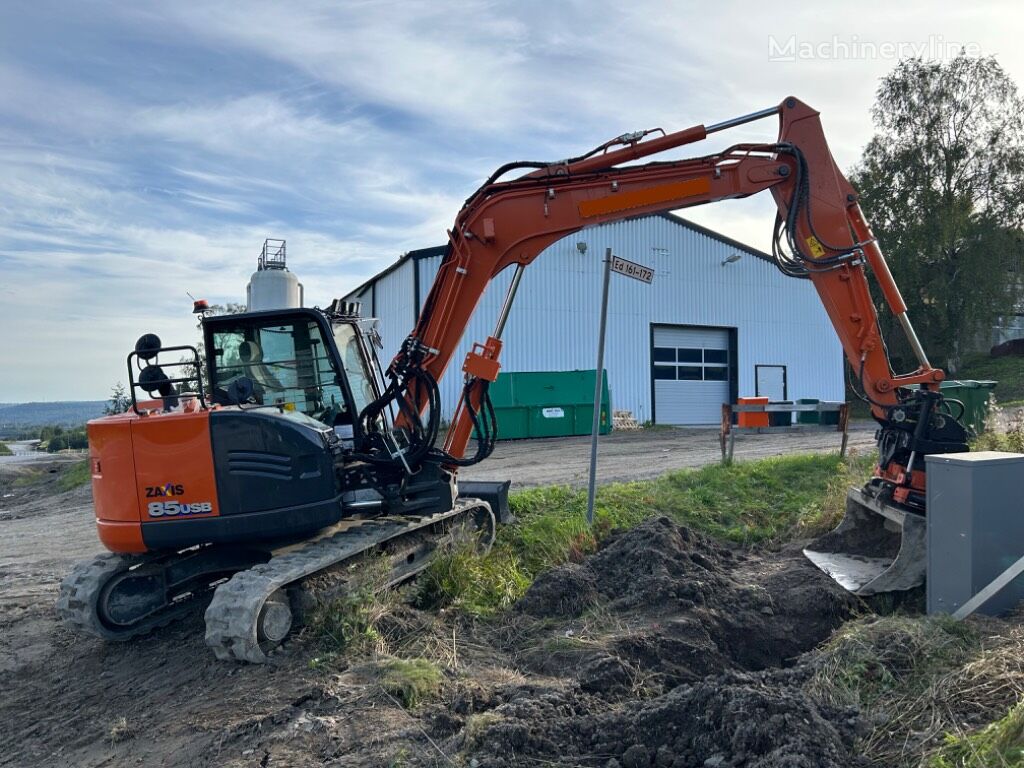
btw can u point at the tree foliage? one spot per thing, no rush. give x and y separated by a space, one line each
56 438
119 402
942 182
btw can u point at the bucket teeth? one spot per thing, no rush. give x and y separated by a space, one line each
877 547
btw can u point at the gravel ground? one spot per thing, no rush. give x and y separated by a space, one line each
644 454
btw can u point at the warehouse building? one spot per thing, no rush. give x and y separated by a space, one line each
719 320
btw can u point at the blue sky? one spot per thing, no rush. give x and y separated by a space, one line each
147 149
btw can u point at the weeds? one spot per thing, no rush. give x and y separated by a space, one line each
349 623
410 681
5 450
925 682
869 660
999 744
120 731
1003 431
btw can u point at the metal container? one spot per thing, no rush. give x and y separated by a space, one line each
548 404
808 417
780 418
752 418
975 528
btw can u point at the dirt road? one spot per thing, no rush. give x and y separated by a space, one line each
644 454
164 701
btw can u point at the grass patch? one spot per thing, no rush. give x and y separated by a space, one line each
475 728
746 503
74 475
873 660
28 478
5 450
939 693
999 744
1008 371
67 477
410 681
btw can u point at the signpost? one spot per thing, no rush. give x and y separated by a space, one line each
644 275
632 269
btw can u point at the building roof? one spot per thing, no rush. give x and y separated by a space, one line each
438 250
417 255
716 236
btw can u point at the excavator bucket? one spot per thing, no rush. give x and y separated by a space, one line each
877 547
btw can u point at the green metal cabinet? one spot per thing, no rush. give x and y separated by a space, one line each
548 404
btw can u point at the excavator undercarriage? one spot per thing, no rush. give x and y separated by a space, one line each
257 594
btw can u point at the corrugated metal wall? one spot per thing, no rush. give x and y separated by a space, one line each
396 308
553 324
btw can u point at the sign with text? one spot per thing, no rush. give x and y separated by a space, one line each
632 269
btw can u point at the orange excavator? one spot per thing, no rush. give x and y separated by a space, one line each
298 456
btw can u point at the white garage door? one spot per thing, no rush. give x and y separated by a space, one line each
691 374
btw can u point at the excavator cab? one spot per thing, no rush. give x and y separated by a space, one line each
299 360
258 464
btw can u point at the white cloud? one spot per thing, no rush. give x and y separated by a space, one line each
153 150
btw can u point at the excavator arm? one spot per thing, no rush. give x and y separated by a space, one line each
820 234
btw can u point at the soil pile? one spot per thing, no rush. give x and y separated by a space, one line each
696 674
702 607
754 720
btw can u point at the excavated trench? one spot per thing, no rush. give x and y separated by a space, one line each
697 662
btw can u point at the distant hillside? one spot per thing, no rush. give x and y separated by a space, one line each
67 413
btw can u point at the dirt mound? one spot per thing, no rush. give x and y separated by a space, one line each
656 563
717 608
756 721
693 671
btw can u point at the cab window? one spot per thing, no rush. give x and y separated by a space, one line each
289 364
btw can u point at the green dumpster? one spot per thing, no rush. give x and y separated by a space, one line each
808 417
831 417
548 404
780 418
974 395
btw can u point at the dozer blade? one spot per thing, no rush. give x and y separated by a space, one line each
494 492
877 547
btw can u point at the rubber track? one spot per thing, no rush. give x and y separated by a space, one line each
80 590
232 615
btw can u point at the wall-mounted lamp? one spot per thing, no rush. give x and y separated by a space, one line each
581 247
732 259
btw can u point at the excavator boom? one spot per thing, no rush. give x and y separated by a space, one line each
820 234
